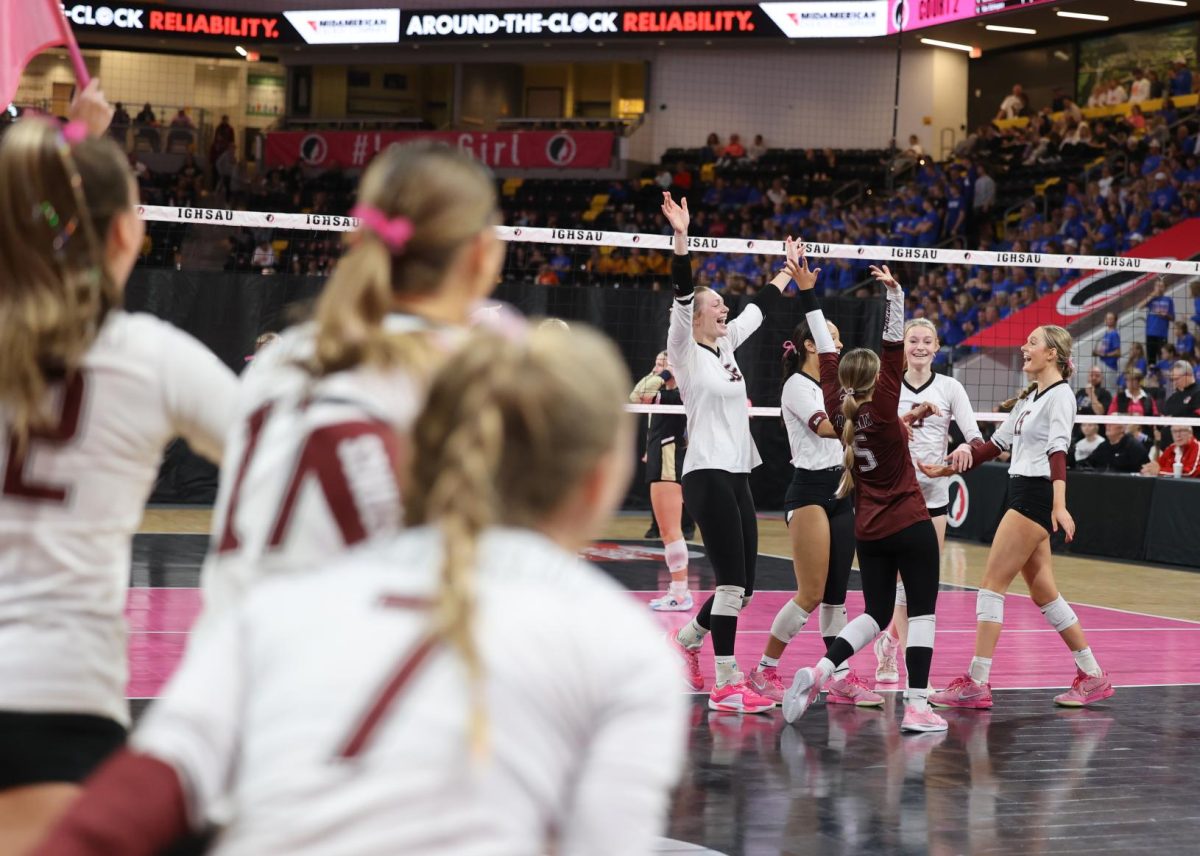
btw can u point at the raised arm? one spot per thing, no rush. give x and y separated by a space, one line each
886 399
646 390
751 318
806 280
680 344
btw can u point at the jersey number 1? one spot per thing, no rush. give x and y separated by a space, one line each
16 483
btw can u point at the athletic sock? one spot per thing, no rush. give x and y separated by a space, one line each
842 669
1086 661
769 662
981 669
691 635
825 669
678 589
918 700
727 670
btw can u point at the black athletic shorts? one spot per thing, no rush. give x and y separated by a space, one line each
939 511
41 748
664 462
1033 498
817 487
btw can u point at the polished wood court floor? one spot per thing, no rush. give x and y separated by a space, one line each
1024 777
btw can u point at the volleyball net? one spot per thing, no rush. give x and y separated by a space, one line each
983 303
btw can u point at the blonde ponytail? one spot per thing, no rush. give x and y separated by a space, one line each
858 372
448 199
508 432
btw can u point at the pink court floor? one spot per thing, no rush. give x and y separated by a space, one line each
1135 649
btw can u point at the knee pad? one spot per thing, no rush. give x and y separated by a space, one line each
920 631
727 600
989 606
860 632
789 621
901 595
746 599
832 618
1059 614
676 555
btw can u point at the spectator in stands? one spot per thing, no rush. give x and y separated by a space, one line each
984 197
1162 369
1136 361
181 131
264 257
1120 453
1181 459
663 178
1108 349
1156 85
1184 399
1099 96
223 139
1185 342
734 152
1160 312
1088 442
1093 399
1136 120
1116 93
546 276
757 149
147 125
1179 79
682 178
1139 91
1133 399
1014 104
715 150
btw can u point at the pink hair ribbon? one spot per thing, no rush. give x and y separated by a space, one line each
789 348
74 132
393 231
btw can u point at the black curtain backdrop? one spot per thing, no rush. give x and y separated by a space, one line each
228 311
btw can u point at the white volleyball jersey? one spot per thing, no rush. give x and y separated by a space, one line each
931 435
803 405
1038 426
68 511
318 713
311 467
714 392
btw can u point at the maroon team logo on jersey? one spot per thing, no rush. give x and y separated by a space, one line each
734 374
960 502
1020 423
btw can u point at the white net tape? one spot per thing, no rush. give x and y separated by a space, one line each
594 237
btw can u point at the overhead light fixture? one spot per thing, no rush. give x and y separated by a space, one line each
952 45
1163 2
241 50
1083 16
997 28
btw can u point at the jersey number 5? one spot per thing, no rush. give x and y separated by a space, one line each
16 483
866 458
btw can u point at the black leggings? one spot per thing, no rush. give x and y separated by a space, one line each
841 557
723 508
913 551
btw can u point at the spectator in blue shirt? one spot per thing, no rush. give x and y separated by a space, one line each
1185 342
1164 197
1108 349
1179 80
1160 312
1153 160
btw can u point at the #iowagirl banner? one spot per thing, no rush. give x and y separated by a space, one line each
496 149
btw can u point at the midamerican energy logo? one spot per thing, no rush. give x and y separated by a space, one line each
347 26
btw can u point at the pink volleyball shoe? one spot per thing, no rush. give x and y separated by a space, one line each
921 721
765 681
964 692
1086 689
852 690
805 689
691 662
738 697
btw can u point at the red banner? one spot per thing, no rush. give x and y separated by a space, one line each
497 149
1095 292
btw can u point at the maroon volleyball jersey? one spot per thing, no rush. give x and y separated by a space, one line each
887 497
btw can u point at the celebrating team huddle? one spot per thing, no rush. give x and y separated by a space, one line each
406 482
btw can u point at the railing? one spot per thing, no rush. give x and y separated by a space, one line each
855 186
353 123
622 125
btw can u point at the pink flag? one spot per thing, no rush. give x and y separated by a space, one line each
29 28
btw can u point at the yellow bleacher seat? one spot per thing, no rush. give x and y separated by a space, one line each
511 186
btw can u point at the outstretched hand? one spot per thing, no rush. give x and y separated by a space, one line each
797 265
884 275
92 109
676 213
936 471
922 411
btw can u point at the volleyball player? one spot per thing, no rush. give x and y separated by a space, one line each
721 453
666 443
821 525
89 398
891 522
312 468
928 442
1037 431
411 698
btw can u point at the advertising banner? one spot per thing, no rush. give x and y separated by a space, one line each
1095 292
824 20
503 150
908 15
